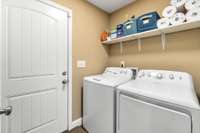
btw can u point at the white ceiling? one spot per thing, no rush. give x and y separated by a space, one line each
110 5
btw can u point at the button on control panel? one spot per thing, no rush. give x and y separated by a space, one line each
142 74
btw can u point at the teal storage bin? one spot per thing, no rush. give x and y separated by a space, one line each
147 21
130 27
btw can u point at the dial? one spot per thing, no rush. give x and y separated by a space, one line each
171 76
159 76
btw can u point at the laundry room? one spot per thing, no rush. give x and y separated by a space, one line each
100 66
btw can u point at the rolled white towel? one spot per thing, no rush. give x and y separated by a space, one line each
179 4
193 15
190 4
169 11
178 18
163 23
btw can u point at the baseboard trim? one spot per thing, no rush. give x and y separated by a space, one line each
76 123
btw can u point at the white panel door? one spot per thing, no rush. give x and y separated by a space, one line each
34 59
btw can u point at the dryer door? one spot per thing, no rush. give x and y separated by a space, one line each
141 117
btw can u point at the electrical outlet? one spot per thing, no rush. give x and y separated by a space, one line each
81 63
122 63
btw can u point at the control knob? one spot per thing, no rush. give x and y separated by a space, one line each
171 76
159 76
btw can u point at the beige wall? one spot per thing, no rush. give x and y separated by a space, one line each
183 48
88 23
182 54
137 8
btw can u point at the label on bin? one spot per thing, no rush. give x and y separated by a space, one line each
146 21
128 27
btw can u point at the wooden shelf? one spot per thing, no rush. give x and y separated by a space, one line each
156 32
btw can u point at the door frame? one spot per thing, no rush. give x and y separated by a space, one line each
69 96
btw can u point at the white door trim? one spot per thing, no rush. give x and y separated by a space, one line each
70 69
54 4
69 12
1 59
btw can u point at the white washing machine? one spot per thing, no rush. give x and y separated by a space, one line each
99 99
158 102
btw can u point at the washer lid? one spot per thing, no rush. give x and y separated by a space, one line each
178 94
107 80
113 76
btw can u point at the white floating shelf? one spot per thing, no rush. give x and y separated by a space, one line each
156 32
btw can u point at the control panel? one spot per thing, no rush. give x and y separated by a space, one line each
162 76
117 71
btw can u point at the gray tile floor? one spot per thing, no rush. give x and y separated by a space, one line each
77 130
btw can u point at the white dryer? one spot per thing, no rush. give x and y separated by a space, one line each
158 102
99 99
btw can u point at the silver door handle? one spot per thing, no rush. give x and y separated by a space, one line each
64 73
65 81
6 111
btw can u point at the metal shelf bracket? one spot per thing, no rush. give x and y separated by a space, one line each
139 44
121 48
163 41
